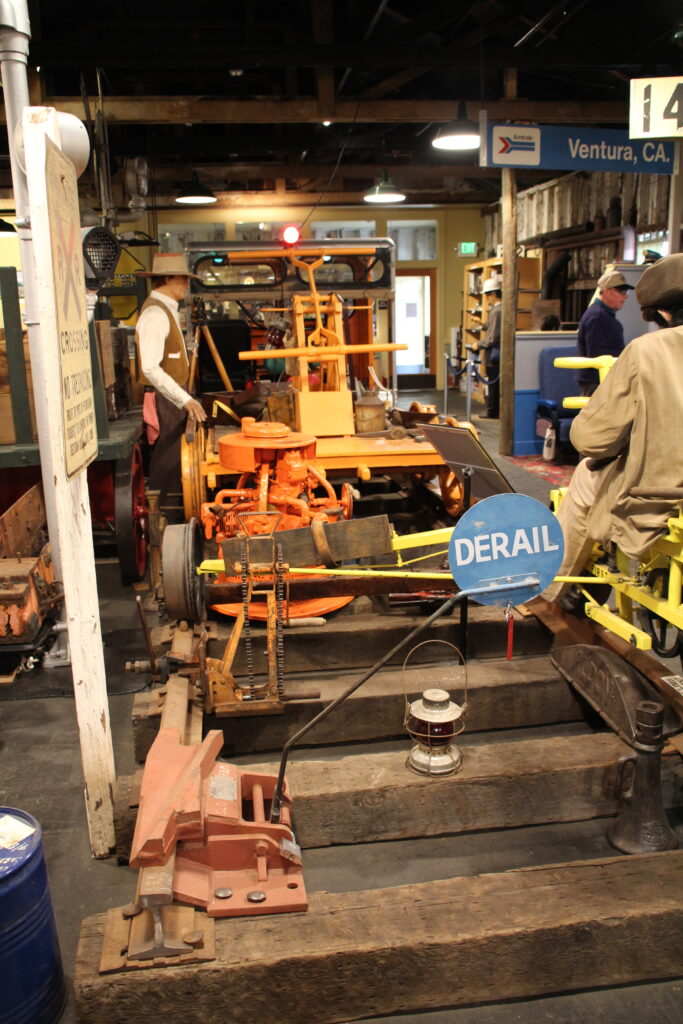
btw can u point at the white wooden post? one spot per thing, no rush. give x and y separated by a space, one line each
66 444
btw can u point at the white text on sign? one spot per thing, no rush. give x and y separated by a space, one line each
489 547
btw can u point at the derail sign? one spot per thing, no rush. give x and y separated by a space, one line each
505 539
573 149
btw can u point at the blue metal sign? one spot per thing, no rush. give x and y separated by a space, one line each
560 148
506 539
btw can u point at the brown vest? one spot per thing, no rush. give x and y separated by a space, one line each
174 362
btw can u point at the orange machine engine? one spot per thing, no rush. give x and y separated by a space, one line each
277 473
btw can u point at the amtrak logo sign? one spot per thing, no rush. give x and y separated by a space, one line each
506 539
516 147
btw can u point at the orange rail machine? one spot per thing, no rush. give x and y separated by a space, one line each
326 289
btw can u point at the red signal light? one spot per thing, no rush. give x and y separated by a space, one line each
291 234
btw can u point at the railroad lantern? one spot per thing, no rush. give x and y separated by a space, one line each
433 722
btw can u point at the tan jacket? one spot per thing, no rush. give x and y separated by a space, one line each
636 418
175 362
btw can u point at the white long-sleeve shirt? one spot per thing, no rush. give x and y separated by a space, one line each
152 331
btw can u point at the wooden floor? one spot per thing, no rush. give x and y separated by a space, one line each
533 761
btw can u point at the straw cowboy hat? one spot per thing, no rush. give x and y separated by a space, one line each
168 264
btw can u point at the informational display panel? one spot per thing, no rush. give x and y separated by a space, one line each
78 404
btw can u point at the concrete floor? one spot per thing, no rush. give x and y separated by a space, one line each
40 772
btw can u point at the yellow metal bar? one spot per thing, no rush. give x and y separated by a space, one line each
575 402
286 309
217 565
361 573
287 254
226 408
321 352
604 617
599 363
418 540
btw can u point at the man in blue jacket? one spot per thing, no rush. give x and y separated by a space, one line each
600 333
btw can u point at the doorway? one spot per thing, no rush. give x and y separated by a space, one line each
415 313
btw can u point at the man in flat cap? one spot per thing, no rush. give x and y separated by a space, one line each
600 333
631 432
162 359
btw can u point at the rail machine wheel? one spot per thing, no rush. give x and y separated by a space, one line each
182 550
131 516
192 455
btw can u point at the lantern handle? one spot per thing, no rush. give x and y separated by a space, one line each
403 676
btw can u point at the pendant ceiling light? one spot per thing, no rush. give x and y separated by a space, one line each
460 134
384 192
195 194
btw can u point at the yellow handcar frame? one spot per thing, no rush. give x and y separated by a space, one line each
630 585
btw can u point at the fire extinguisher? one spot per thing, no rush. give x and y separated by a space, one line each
550 444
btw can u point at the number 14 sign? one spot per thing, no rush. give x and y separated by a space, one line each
656 108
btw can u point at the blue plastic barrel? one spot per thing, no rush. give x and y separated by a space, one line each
32 989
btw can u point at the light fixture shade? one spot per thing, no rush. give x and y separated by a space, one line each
460 134
384 192
195 194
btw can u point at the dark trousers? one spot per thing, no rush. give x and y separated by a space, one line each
164 465
493 375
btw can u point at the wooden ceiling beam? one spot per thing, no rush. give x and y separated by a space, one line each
214 173
272 198
126 53
211 110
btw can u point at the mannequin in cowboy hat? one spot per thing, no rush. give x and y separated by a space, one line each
163 362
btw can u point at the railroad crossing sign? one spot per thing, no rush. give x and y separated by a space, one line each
505 539
78 404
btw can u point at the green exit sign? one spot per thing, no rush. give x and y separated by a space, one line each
467 249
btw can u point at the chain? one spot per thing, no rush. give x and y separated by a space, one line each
247 626
279 622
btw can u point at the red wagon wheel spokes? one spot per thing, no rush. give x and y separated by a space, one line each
131 517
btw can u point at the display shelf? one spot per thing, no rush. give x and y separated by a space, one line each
477 303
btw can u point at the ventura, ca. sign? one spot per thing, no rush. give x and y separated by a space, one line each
560 148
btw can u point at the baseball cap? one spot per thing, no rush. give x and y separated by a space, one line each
613 279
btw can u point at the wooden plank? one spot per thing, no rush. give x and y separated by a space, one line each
523 692
336 586
180 919
22 526
349 538
364 639
462 941
125 812
374 797
104 342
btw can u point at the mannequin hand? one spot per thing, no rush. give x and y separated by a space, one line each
195 410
